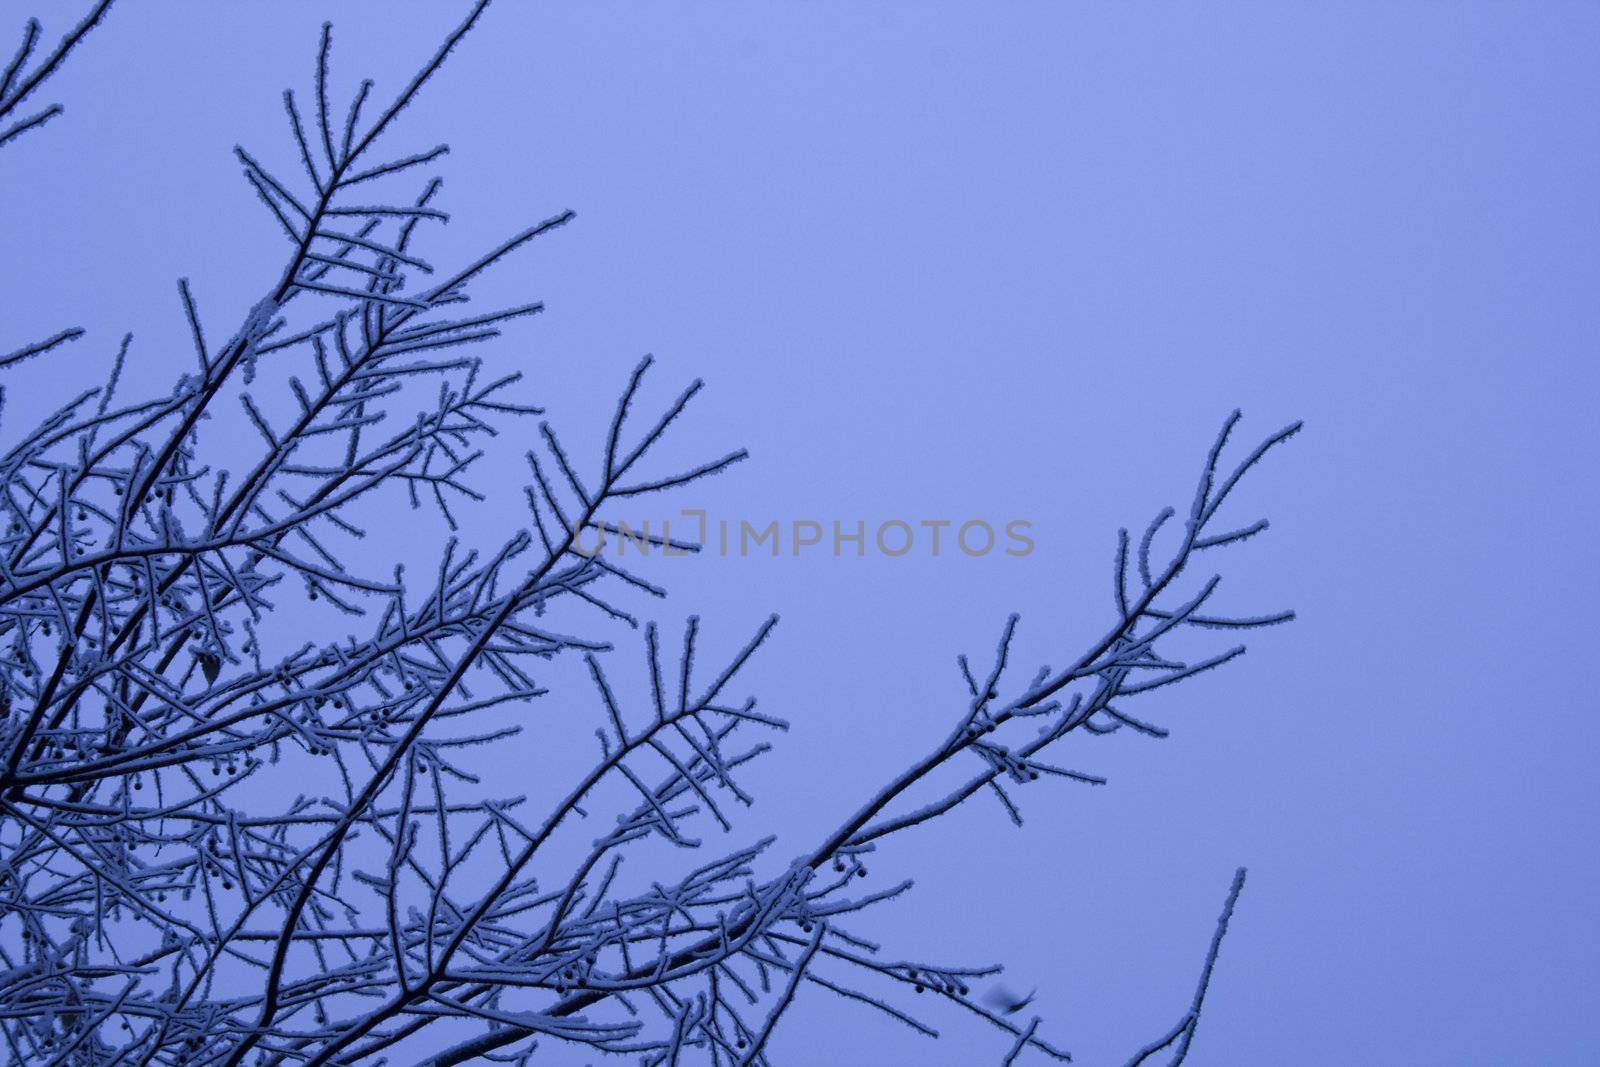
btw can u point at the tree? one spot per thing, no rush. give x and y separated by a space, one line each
226 843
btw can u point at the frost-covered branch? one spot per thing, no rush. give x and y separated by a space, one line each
231 833
22 77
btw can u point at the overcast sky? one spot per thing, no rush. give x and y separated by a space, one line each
1018 261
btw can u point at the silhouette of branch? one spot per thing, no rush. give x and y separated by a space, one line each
1181 1035
240 814
18 81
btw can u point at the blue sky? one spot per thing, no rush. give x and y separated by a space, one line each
1019 261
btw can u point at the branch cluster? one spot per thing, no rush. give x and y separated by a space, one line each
165 899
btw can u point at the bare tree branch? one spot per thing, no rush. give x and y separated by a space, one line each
241 818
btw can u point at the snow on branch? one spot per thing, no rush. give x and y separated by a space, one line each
229 835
